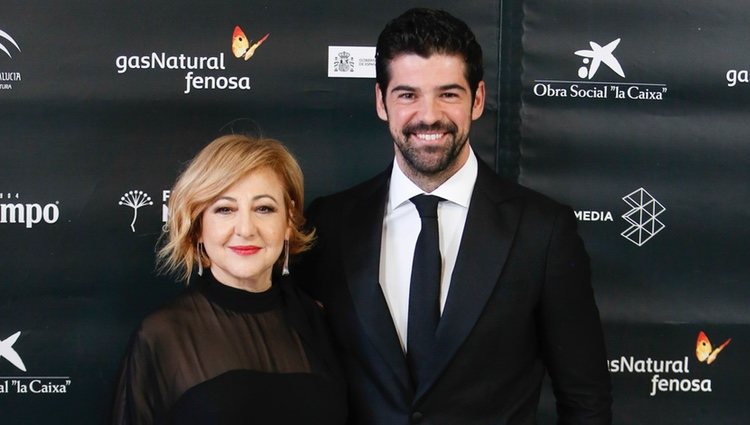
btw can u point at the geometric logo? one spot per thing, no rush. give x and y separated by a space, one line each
135 199
642 217
7 351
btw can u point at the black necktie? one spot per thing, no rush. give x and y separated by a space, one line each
424 291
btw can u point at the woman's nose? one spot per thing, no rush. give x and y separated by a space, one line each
245 226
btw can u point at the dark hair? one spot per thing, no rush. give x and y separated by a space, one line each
426 32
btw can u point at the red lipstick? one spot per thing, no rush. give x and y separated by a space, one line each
245 249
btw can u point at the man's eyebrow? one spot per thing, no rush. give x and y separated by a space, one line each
404 87
453 87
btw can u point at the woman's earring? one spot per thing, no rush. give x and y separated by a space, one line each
285 269
200 260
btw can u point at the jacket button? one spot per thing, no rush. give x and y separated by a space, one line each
417 417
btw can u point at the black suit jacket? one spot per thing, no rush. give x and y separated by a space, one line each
520 302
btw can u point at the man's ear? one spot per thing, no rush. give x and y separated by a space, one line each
380 103
478 107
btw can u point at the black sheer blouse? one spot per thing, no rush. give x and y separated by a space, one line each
221 355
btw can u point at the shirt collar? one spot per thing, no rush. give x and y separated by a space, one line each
456 189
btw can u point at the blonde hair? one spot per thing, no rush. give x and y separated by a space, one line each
220 164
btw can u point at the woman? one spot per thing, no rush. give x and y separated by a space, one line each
242 344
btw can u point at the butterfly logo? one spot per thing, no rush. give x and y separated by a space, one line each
704 351
241 46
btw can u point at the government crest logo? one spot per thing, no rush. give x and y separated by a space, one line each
344 62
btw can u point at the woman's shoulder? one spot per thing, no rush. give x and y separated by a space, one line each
173 317
301 305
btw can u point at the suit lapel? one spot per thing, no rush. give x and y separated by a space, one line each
362 241
485 244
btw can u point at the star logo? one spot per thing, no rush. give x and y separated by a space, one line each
598 55
7 351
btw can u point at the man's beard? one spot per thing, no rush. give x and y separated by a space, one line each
431 160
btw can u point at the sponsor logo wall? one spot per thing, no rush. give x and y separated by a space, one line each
100 108
638 127
632 115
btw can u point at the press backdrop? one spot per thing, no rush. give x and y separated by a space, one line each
635 114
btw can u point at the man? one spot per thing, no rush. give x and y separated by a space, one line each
511 295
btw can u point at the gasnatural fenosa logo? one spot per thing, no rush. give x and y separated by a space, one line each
672 376
202 72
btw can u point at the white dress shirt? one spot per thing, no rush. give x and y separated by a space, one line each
401 226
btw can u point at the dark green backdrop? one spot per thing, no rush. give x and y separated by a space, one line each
77 134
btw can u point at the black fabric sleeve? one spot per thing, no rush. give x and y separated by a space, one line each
571 331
